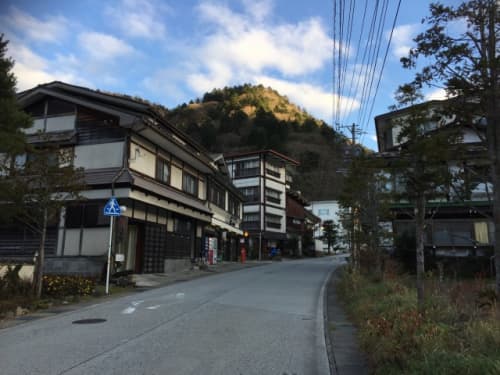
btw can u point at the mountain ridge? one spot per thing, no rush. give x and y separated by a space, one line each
254 117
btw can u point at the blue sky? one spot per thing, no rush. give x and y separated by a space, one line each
172 51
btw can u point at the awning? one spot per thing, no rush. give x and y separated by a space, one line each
224 226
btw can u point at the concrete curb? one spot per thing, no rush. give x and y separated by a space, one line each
329 347
322 341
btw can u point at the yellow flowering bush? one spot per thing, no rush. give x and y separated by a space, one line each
66 285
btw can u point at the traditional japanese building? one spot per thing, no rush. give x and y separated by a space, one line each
130 151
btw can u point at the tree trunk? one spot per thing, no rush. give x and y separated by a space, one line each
496 204
419 236
41 258
493 128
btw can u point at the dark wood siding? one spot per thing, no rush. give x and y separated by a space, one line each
94 127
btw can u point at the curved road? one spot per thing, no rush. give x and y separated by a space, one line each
261 320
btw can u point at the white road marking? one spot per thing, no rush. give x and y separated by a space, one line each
137 303
153 307
179 295
129 310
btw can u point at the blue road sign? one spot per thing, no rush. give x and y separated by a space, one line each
112 208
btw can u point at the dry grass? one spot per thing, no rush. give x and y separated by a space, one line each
457 332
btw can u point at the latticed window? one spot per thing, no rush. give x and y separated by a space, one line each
189 183
162 170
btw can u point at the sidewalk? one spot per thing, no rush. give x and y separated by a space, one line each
155 280
343 349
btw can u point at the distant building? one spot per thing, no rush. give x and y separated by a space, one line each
328 210
262 178
300 223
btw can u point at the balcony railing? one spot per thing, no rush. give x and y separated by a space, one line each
273 199
247 172
273 173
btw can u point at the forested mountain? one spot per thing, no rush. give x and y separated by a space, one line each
254 117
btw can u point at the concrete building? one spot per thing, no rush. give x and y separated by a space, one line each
328 210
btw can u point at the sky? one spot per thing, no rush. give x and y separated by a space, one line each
171 51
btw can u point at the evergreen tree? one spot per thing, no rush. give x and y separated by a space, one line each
421 171
12 119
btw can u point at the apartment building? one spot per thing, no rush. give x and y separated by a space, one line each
263 179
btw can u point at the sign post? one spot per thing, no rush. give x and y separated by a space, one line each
112 209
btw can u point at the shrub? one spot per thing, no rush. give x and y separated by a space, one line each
64 285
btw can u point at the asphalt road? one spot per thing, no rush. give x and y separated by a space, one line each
261 320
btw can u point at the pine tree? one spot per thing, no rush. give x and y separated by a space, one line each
12 119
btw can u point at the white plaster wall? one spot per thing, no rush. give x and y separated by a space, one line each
202 194
95 241
105 155
176 177
142 160
72 241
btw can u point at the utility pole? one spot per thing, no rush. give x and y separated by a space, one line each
355 131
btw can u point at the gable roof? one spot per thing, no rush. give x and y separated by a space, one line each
132 111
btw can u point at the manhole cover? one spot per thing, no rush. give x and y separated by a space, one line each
89 321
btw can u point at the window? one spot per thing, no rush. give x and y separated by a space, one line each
247 168
162 170
448 233
273 221
273 170
251 217
86 215
273 196
217 196
189 183
182 226
234 206
323 212
251 193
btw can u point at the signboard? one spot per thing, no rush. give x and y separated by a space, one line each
112 208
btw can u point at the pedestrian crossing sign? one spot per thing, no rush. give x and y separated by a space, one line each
112 208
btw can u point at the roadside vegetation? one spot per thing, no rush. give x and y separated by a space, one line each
17 297
457 331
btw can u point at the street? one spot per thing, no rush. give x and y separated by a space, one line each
261 320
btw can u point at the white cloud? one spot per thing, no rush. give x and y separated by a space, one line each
102 46
259 9
32 69
242 44
52 29
139 18
314 99
402 39
373 137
